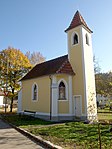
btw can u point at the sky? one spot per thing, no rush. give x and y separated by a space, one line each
38 25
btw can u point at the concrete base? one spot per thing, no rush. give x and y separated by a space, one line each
61 118
56 118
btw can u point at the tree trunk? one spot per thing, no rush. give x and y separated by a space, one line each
11 104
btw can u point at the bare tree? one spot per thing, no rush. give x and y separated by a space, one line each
35 57
97 68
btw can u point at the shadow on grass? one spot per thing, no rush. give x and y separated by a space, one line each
24 120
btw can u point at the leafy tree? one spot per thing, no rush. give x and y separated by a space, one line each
13 65
104 84
103 80
35 57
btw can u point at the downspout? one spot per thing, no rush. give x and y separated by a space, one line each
50 77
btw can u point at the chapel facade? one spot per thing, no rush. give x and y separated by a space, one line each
63 88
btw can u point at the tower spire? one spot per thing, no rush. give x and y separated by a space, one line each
76 21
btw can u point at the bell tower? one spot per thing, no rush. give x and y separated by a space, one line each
81 58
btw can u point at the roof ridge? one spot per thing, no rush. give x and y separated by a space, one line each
52 59
81 19
66 68
62 66
45 62
76 21
54 66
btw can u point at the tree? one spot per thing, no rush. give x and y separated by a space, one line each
103 80
97 68
13 66
104 84
35 57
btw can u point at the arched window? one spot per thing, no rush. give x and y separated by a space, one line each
34 92
87 39
75 39
62 91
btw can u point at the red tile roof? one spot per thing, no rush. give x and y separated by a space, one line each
55 66
76 21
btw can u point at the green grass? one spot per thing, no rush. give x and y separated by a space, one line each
71 134
25 120
68 135
105 110
105 116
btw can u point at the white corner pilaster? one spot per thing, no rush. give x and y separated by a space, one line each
84 73
20 101
70 95
54 96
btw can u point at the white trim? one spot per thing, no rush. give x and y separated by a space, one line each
54 88
54 80
33 94
72 38
47 114
70 94
84 73
64 100
42 113
65 114
68 46
20 101
66 87
21 112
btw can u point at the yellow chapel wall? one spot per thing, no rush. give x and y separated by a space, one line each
63 105
75 57
42 104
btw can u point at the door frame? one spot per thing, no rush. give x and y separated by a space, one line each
74 100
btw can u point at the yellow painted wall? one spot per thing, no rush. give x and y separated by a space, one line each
43 102
75 57
81 59
63 105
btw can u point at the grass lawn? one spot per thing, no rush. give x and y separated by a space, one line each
104 110
69 135
105 116
24 120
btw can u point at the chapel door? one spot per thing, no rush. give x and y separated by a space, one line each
77 106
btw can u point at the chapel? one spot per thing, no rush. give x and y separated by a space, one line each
63 88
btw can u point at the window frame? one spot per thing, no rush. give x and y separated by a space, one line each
87 39
33 92
62 90
66 90
72 40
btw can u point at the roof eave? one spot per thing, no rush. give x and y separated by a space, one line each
69 28
72 74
